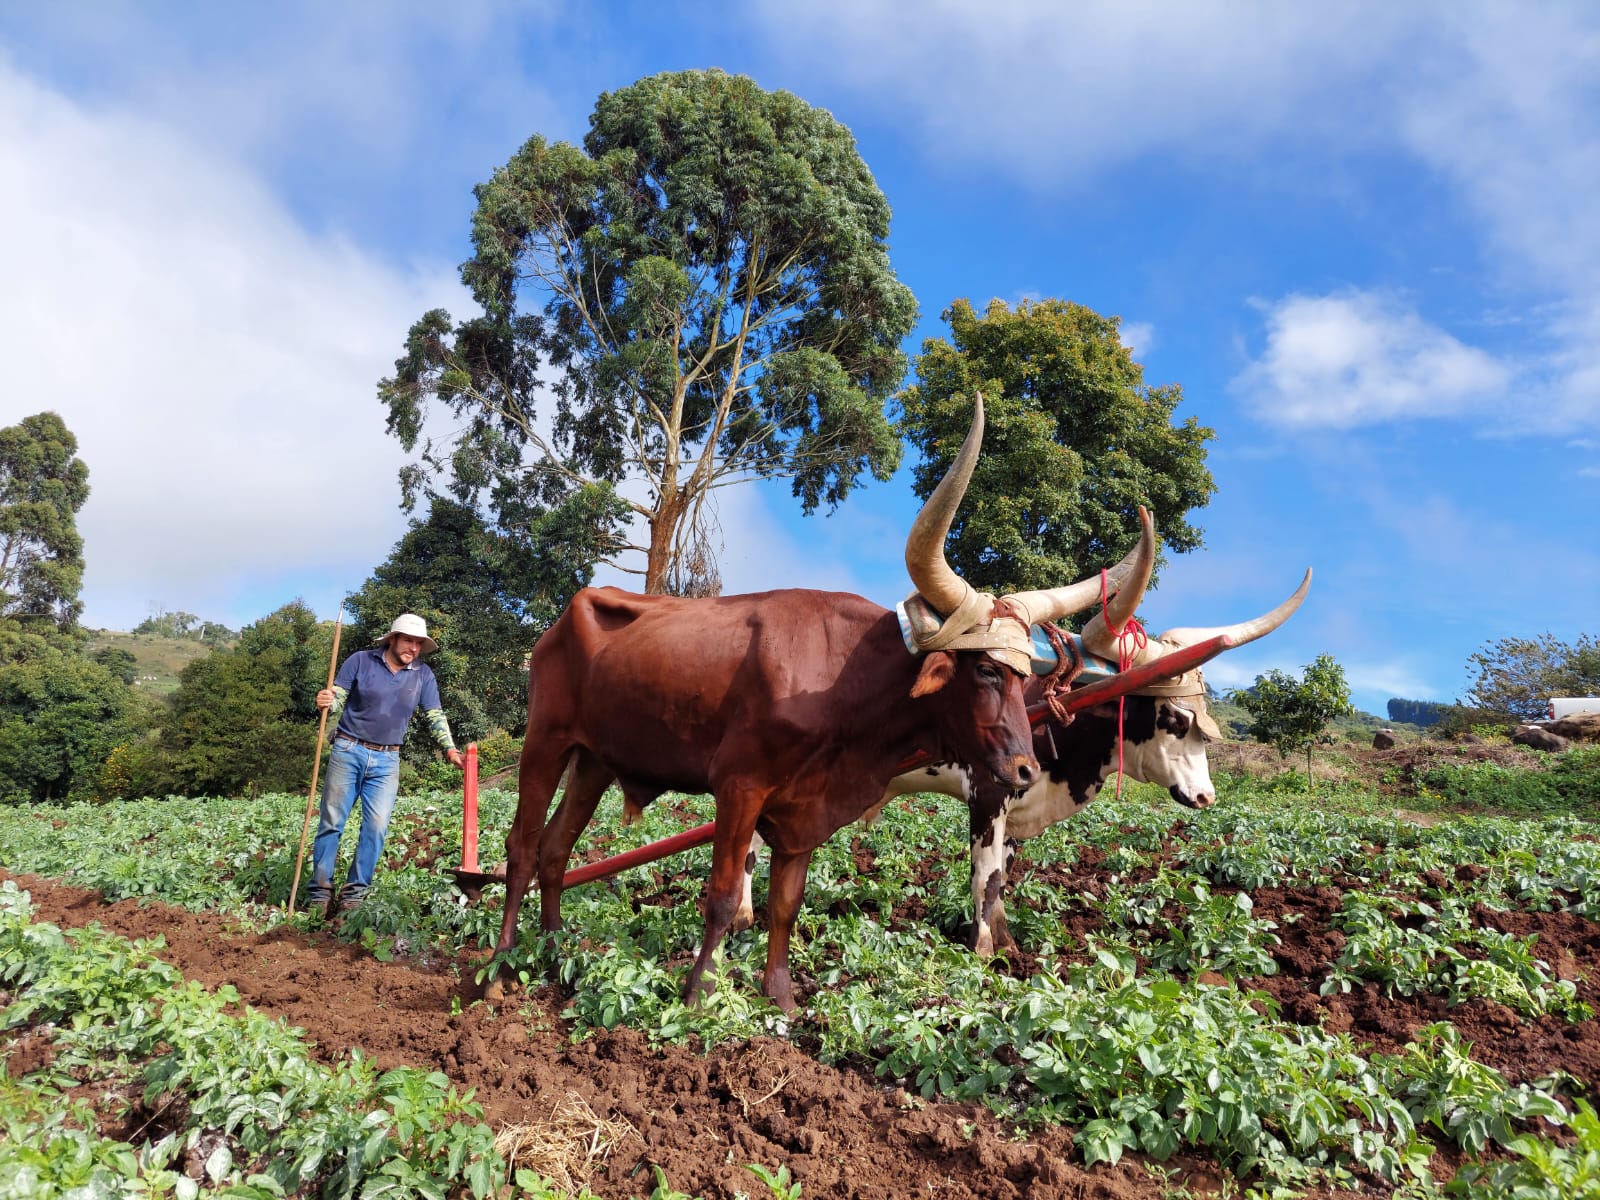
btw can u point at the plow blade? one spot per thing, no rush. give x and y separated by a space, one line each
469 877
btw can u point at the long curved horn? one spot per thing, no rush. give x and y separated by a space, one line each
1098 640
1244 631
1126 582
931 574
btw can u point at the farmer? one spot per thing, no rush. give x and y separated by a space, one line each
372 698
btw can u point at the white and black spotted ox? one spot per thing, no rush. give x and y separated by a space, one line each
1165 729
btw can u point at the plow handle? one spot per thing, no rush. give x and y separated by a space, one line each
469 809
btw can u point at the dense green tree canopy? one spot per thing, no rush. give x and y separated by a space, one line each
61 715
118 661
698 295
247 717
1075 442
1516 677
42 486
172 625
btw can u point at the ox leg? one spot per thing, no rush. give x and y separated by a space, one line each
1003 941
987 819
587 780
538 775
784 892
730 847
745 916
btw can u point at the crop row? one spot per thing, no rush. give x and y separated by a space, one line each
1123 1041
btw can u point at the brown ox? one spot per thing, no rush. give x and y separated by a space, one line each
793 708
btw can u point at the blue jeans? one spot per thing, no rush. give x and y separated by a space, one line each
373 776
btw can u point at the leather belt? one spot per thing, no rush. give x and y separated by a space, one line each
368 745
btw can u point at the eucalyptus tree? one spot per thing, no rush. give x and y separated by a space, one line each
699 295
43 484
1076 442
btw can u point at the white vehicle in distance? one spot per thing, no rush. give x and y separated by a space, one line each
1571 706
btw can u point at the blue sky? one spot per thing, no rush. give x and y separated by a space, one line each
1362 238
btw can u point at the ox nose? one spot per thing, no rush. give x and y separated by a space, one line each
1024 770
1198 800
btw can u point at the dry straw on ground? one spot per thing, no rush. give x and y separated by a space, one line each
567 1145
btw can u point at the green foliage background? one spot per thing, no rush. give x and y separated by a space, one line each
1517 676
1075 442
1290 713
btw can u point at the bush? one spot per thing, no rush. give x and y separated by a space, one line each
1570 783
60 716
132 770
498 752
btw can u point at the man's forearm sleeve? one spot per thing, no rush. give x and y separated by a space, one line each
440 728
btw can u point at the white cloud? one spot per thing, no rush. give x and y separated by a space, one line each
1498 108
1138 336
1392 679
303 82
1359 358
216 361
1065 91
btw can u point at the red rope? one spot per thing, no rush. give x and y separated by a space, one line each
1131 638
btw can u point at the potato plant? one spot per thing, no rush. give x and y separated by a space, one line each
1145 1037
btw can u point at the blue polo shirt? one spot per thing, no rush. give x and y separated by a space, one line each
381 701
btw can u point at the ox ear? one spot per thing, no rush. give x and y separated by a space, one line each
938 669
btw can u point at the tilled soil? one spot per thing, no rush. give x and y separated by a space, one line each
1520 1048
701 1118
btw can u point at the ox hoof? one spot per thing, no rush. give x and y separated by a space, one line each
785 1004
494 991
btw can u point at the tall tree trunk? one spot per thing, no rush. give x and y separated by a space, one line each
663 538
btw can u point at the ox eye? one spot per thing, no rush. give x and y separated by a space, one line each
1188 723
1176 721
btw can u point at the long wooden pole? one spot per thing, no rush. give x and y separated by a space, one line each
311 796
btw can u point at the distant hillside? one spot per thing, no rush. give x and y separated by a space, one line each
159 659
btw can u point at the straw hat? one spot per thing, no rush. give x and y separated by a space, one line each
413 626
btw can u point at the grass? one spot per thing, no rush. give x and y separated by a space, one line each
159 660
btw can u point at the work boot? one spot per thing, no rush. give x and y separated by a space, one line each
350 899
318 902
